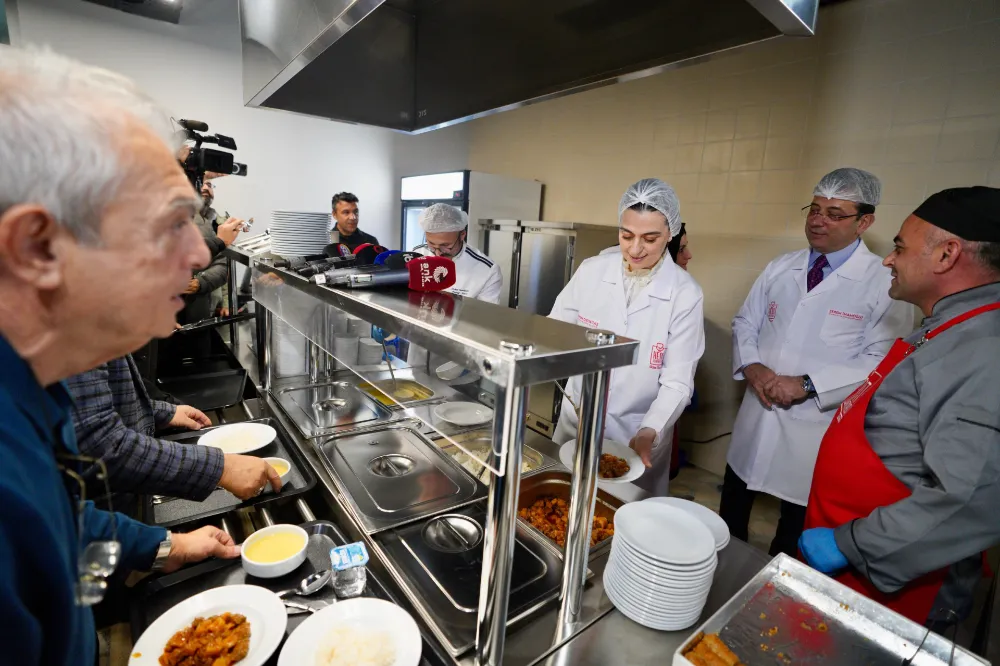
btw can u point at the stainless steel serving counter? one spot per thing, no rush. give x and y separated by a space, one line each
605 636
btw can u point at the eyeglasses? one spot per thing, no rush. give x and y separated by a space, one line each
97 560
814 212
445 249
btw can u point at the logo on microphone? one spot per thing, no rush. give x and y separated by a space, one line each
435 276
772 311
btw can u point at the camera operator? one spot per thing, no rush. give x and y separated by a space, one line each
205 286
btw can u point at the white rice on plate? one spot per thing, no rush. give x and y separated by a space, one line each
354 646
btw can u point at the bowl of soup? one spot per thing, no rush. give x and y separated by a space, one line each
282 467
274 551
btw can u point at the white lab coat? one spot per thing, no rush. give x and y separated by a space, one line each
476 275
666 318
836 334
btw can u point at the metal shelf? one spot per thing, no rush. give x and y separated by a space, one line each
511 348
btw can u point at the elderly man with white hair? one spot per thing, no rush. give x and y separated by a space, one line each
84 155
636 290
815 323
446 230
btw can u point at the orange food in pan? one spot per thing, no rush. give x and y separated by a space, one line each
550 516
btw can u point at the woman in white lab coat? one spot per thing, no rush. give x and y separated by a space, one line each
638 292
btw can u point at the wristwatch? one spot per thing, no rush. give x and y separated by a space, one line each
807 385
162 553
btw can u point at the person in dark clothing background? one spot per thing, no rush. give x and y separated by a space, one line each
345 220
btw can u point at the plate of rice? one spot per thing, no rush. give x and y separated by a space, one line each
356 632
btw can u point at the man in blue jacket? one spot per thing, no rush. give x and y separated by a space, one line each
84 155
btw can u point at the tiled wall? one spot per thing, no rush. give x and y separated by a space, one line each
909 89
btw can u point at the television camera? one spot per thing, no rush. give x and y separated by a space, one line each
200 160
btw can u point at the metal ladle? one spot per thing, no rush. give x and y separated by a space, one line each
566 395
388 362
311 584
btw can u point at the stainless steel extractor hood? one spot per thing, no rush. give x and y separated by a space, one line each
418 65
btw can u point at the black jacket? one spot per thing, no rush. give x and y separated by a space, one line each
357 238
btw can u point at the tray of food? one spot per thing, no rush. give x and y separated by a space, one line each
244 438
216 608
543 504
790 614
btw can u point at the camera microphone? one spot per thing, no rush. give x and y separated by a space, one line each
195 125
424 274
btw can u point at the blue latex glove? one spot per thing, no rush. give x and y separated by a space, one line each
382 335
819 548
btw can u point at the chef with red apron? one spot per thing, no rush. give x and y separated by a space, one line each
906 490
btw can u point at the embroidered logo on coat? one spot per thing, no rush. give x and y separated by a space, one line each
846 315
656 356
772 311
588 322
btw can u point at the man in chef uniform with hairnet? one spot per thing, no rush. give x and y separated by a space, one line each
446 230
815 323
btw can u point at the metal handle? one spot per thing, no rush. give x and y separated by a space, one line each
266 516
304 510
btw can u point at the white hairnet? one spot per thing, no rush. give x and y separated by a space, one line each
655 193
850 184
442 218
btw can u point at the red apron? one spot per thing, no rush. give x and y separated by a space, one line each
850 481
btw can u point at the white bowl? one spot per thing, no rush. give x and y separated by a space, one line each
283 477
281 567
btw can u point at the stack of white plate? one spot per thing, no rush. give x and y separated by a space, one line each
715 524
661 566
298 234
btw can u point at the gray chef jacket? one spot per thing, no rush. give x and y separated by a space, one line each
935 423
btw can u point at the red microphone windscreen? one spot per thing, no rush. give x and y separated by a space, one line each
436 309
431 273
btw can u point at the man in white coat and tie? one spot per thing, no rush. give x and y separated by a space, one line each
815 323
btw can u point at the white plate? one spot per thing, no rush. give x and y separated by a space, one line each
660 568
239 437
665 577
664 533
652 620
370 614
635 467
262 608
679 597
626 569
463 413
716 525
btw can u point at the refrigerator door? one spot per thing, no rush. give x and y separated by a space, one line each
413 235
546 260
